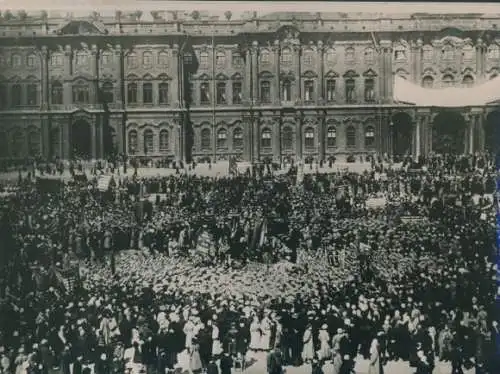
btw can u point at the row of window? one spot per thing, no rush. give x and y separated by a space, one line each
18 141
447 81
237 141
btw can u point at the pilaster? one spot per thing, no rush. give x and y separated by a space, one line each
418 60
255 71
94 53
256 138
277 138
276 91
298 136
68 73
93 143
321 136
247 89
298 81
387 77
66 138
247 137
45 127
480 58
173 87
320 68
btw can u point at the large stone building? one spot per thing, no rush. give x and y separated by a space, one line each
299 85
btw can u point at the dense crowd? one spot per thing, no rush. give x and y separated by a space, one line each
310 273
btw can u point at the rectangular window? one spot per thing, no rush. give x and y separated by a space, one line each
32 94
147 93
369 90
237 93
221 93
132 93
309 90
204 93
16 95
349 88
265 92
266 139
237 59
220 59
163 91
80 94
3 96
330 90
204 60
56 60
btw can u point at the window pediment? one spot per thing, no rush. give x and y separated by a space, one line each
370 73
351 74
221 77
309 74
331 74
81 28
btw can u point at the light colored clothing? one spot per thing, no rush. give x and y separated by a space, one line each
325 351
216 345
308 350
255 335
265 339
374 366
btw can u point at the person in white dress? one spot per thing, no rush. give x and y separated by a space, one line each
216 345
189 328
324 348
255 334
265 329
308 349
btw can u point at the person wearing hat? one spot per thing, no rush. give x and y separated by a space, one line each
226 363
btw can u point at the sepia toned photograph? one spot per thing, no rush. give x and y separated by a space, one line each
254 187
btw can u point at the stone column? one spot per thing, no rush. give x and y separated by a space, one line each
276 92
173 86
100 124
68 72
94 52
297 98
418 61
277 138
119 76
298 137
388 78
66 138
247 89
93 131
321 136
255 70
45 77
247 138
417 138
256 138
480 120
320 89
479 58
45 125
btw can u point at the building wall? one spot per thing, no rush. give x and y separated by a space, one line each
305 63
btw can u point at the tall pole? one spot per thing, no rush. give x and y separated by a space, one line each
184 108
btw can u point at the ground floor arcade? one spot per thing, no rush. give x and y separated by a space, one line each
274 134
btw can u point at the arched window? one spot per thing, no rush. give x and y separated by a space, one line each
331 137
57 93
265 91
15 60
204 60
428 82
147 59
287 90
132 93
132 142
265 140
164 141
17 143
330 56
205 139
494 51
16 95
309 90
287 138
369 136
163 58
286 56
204 93
350 137
80 92
309 137
107 92
147 93
265 56
448 80
34 143
222 138
369 90
468 81
81 58
148 141
237 138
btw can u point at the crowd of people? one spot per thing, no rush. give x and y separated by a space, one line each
309 273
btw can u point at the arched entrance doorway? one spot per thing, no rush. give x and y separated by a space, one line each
402 129
492 132
81 139
448 133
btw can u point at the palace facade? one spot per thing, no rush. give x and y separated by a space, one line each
282 85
